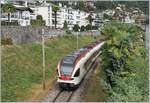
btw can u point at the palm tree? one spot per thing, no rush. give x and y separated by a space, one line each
55 9
9 8
90 18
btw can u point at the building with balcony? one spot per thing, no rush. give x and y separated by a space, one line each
62 16
72 16
21 15
27 10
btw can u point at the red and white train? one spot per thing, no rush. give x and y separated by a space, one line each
72 68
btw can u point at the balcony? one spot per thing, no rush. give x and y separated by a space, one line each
5 17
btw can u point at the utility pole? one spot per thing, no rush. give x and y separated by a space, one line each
43 59
77 40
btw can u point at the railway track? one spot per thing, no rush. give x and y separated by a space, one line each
57 95
64 96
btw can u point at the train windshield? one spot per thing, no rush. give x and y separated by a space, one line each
66 69
67 65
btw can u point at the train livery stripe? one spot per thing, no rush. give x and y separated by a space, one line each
92 53
90 58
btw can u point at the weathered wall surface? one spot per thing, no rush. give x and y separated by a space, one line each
29 34
20 34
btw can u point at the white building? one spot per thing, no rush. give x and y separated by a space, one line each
83 18
98 20
45 11
21 15
62 16
27 10
70 15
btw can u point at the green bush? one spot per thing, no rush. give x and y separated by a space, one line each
65 25
6 41
124 56
76 27
68 32
82 28
13 23
38 22
39 17
95 27
88 27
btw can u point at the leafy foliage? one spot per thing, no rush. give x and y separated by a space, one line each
6 41
82 28
88 27
38 22
76 27
6 23
9 8
125 62
90 18
39 17
103 5
55 9
65 25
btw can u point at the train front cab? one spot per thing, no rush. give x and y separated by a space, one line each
73 82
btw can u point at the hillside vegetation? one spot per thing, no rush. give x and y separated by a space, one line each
125 61
22 64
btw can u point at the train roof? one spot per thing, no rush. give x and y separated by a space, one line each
88 46
73 57
69 59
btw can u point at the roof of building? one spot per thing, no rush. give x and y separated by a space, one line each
24 9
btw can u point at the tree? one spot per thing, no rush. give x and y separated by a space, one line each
65 25
101 5
82 28
55 9
39 21
39 17
79 5
88 27
90 18
94 27
119 56
9 8
76 27
105 16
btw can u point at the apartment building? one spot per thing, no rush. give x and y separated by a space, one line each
71 16
62 16
98 20
27 10
45 10
83 18
21 15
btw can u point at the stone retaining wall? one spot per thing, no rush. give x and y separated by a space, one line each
29 34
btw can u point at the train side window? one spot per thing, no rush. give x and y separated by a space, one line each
77 73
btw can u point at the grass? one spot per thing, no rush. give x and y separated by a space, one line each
95 91
22 64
